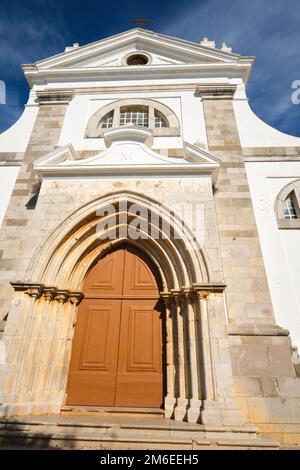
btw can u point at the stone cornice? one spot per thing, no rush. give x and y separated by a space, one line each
191 293
256 330
216 91
127 170
271 159
63 162
211 288
196 71
46 97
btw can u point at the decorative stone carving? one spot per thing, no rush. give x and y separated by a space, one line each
75 298
225 48
61 296
207 43
48 292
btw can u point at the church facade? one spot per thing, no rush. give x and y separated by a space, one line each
149 243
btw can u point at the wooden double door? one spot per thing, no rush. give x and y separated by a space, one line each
117 353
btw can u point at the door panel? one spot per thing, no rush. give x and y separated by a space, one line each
117 347
106 277
139 378
138 277
93 368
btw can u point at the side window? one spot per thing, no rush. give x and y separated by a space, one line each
291 208
287 206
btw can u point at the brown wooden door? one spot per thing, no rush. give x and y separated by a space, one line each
117 348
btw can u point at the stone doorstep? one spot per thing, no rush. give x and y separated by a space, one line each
180 435
136 442
112 411
165 425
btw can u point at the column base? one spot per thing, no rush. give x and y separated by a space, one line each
180 409
193 411
169 406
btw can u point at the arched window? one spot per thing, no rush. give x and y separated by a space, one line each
290 207
107 120
287 206
137 116
160 119
136 112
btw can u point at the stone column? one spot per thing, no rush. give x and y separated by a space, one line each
207 358
116 117
38 348
182 401
67 335
170 398
26 354
42 353
194 406
151 118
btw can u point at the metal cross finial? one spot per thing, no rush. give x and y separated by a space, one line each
140 20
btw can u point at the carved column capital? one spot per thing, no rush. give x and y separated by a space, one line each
202 294
175 293
188 295
49 293
62 296
167 298
34 292
75 298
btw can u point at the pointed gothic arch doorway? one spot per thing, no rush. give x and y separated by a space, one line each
118 349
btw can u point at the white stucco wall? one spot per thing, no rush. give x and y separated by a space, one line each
280 248
253 131
8 175
187 107
15 139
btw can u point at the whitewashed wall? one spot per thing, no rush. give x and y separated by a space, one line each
185 105
281 248
8 175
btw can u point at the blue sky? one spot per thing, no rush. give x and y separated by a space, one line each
269 29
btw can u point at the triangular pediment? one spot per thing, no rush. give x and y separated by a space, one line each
127 154
163 49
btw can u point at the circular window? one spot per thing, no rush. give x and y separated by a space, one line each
137 59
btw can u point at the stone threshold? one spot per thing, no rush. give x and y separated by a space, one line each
112 411
113 432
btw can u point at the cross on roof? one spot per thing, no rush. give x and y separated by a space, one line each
140 20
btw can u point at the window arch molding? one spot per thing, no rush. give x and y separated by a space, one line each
292 189
93 129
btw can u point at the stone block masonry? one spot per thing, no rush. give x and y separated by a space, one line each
247 293
19 213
